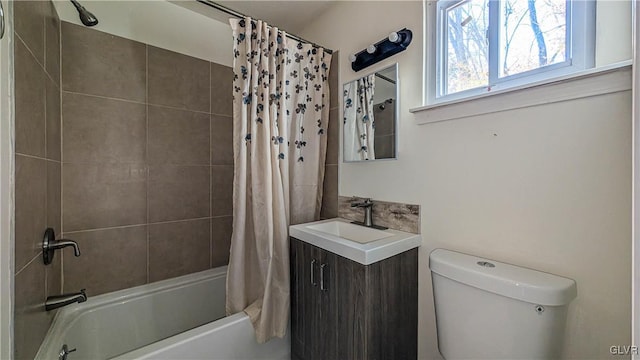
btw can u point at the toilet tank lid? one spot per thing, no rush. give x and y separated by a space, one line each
516 282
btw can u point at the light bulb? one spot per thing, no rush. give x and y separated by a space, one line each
352 58
394 37
371 49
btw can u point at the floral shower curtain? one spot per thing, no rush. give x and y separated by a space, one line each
359 122
280 116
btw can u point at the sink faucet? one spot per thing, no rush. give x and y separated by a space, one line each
54 302
367 204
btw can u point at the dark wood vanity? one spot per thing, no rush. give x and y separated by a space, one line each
341 309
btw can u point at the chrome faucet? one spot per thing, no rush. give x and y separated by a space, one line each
367 204
58 301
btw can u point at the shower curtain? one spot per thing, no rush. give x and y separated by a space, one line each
359 122
280 118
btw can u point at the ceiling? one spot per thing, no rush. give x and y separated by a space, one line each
291 16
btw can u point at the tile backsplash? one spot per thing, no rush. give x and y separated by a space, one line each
397 216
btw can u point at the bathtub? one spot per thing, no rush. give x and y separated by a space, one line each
180 318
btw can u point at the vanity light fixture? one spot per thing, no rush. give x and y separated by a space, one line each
396 42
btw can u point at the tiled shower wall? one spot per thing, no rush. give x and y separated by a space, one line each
385 137
37 166
147 161
330 189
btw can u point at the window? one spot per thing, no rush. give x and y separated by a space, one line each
489 45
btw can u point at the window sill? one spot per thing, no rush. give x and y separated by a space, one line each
593 82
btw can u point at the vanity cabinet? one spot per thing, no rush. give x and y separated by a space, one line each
341 309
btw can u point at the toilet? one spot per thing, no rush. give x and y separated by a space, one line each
491 310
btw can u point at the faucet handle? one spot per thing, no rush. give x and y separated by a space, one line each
50 244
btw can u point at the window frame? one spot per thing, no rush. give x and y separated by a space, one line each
579 53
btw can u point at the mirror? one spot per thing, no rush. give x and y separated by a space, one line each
370 116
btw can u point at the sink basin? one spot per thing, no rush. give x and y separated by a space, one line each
361 244
357 233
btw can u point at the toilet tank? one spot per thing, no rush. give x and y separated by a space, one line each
486 309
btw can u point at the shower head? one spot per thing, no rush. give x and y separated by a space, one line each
87 18
382 105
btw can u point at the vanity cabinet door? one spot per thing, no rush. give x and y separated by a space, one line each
314 319
304 299
352 309
328 322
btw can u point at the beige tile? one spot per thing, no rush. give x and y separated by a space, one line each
178 192
103 130
384 146
52 41
221 89
30 103
29 21
31 321
54 275
97 63
53 120
221 228
54 189
221 190
334 86
103 195
221 140
385 119
178 136
178 80
30 208
178 248
330 193
333 137
111 260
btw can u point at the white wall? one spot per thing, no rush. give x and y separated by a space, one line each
613 34
384 90
160 23
546 187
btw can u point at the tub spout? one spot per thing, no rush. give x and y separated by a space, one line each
58 301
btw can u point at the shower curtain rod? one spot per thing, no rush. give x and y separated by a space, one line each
385 78
242 16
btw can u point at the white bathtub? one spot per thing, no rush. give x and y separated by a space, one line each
181 318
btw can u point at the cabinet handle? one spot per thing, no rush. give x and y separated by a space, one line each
313 272
322 287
